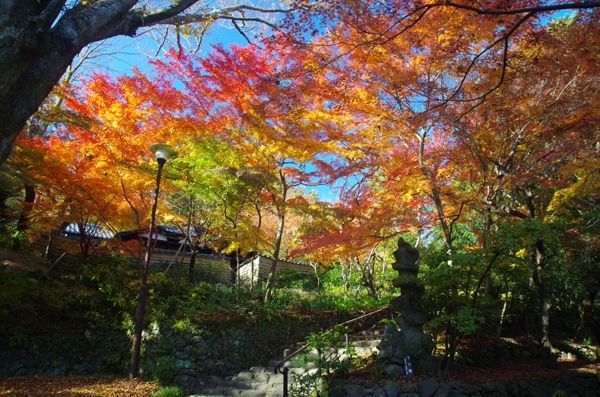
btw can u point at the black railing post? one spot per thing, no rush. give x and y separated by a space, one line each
284 371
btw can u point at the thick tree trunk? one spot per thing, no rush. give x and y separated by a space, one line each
3 208
537 261
27 206
40 38
23 98
36 49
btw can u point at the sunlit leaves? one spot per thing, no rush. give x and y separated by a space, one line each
381 107
101 168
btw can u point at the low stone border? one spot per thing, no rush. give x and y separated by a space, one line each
583 385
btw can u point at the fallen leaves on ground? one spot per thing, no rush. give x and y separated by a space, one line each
75 386
90 386
507 372
527 369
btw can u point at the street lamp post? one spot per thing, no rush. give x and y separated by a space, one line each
162 153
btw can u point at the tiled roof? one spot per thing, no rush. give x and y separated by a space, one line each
90 229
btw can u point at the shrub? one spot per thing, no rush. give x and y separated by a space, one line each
295 279
169 391
164 370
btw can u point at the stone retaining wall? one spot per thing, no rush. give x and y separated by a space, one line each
219 346
66 352
582 385
222 348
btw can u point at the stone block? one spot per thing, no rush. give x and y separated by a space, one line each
249 393
262 377
354 390
392 389
245 376
428 387
442 391
394 370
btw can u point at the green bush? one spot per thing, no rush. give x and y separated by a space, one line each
17 294
164 370
169 391
296 280
11 238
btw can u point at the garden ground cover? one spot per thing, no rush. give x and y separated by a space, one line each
75 386
90 386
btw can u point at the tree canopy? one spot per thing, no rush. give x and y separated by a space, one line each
40 39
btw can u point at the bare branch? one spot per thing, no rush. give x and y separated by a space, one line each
164 17
537 9
240 31
164 13
162 42
505 38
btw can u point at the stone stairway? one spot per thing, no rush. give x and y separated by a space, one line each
264 382
256 382
365 342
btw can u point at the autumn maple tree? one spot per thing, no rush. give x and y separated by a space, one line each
443 109
271 127
40 39
533 148
88 168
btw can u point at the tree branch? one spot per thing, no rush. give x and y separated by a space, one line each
163 13
505 38
170 15
535 10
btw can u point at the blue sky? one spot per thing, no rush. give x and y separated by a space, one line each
120 54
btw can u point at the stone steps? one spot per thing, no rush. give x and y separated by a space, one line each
365 341
256 382
264 382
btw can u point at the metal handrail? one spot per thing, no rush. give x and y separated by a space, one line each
279 368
